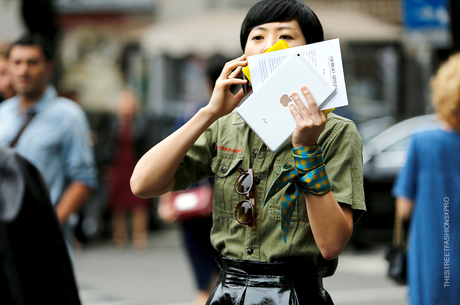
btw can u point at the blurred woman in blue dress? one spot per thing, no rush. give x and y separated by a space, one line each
428 191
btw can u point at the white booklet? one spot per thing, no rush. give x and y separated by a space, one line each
326 56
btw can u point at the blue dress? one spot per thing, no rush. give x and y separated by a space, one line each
431 179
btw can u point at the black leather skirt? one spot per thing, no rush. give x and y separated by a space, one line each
257 283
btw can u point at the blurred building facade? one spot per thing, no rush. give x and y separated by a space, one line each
11 25
160 47
96 36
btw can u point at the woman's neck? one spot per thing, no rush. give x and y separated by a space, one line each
447 127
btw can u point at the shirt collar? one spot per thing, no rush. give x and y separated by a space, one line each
237 118
42 103
45 100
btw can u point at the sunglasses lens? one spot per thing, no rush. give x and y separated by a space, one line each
243 184
244 212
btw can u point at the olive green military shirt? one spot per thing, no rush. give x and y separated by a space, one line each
228 144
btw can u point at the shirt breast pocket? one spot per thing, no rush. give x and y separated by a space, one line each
300 211
46 146
225 169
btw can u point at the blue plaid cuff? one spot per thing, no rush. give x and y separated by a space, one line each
309 161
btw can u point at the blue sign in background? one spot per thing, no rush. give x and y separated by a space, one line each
426 14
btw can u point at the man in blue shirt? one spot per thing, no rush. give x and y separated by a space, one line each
56 137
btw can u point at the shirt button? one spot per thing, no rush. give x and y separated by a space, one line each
255 152
223 169
250 251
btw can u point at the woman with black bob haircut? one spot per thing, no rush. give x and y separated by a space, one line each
280 219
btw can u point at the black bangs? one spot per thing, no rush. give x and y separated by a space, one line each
268 11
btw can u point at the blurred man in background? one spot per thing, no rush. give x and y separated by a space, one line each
6 84
49 131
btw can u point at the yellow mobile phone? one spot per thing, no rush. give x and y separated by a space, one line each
279 45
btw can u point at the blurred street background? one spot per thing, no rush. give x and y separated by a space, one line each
160 48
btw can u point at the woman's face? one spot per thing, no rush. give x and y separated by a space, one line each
264 36
127 105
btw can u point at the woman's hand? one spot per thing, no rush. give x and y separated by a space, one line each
310 122
222 100
404 207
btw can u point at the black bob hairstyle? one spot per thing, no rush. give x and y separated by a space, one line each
267 11
34 39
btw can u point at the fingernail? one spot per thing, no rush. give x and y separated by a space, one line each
294 94
304 89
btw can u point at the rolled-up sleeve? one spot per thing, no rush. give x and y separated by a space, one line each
196 164
344 165
77 151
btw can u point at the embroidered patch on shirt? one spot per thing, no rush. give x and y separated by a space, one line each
223 148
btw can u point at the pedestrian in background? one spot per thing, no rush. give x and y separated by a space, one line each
427 191
35 267
6 84
262 262
127 144
49 131
196 232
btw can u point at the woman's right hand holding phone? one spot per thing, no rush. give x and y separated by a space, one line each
154 173
223 101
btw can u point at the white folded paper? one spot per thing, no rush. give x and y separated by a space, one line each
326 56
